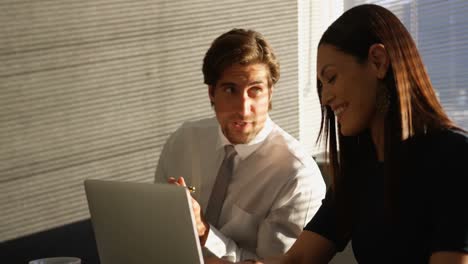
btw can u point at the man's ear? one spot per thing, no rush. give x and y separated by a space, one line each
378 56
211 90
270 96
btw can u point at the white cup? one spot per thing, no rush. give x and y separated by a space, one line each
57 260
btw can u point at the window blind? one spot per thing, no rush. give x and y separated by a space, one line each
92 89
314 19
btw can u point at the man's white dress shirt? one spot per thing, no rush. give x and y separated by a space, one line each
275 189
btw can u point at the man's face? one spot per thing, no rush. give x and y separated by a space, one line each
241 101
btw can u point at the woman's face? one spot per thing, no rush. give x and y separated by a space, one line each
348 88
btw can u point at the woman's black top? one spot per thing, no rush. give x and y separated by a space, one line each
433 209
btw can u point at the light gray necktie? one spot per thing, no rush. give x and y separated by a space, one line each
215 204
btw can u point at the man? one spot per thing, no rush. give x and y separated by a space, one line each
274 186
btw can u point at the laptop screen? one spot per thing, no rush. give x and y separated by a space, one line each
142 222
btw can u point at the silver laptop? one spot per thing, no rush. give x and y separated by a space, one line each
142 223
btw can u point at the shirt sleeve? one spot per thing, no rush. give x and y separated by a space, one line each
324 222
297 202
223 247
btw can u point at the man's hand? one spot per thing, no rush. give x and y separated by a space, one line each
203 227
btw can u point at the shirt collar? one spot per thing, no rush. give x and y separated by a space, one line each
244 150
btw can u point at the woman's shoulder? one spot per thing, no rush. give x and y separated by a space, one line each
448 135
439 152
449 142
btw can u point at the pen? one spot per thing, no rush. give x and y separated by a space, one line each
191 189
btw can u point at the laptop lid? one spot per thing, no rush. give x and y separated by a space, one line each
142 222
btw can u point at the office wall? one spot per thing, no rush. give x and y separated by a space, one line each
91 89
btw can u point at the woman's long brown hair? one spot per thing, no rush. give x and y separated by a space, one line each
414 108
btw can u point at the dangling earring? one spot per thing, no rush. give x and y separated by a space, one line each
383 99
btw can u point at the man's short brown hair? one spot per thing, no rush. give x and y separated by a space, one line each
239 46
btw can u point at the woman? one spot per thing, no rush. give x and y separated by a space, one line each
397 160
